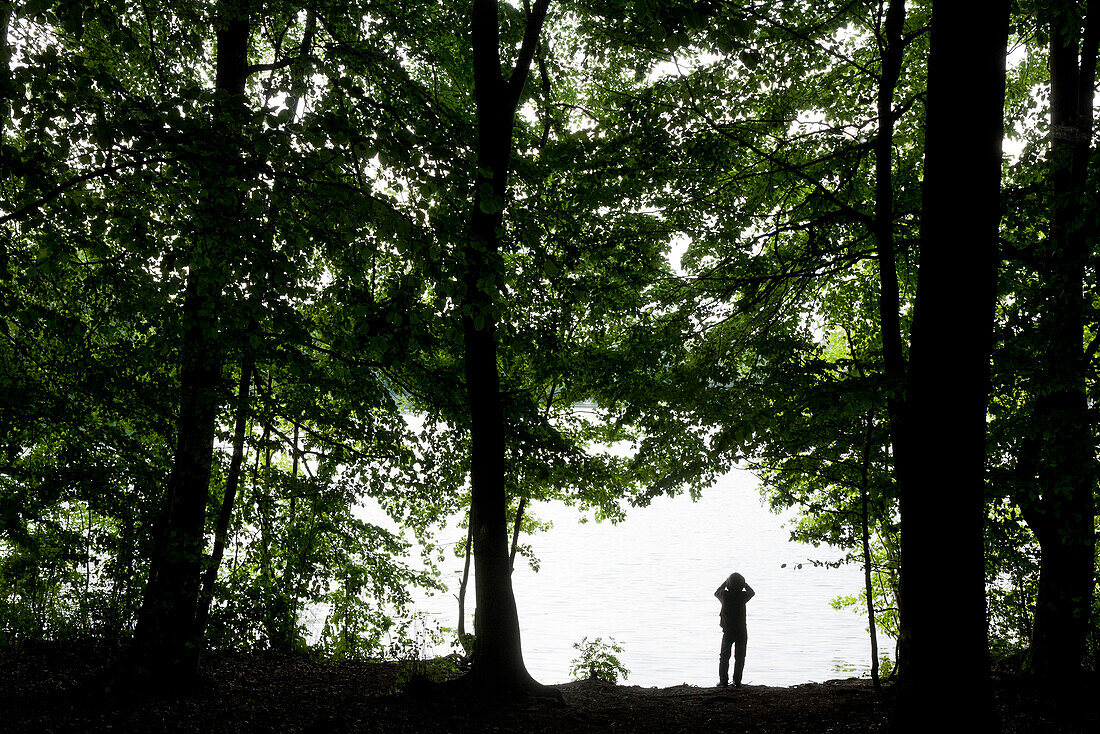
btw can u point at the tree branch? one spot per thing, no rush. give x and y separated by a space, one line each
61 188
531 34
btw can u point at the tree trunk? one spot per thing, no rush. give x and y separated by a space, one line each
462 591
516 525
232 481
285 593
865 532
262 498
943 622
889 293
497 664
893 353
165 644
164 640
1063 520
5 92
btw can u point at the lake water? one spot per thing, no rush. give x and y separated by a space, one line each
649 581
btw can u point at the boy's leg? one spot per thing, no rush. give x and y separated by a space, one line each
739 659
724 657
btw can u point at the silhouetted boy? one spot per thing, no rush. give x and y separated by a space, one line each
733 593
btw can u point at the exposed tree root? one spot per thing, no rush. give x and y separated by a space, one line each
486 688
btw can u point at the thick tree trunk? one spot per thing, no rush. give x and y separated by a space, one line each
164 638
1063 520
165 644
944 631
498 659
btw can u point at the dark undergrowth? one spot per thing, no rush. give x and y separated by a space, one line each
59 688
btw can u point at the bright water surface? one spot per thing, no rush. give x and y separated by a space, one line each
649 581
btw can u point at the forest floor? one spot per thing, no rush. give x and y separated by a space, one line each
55 689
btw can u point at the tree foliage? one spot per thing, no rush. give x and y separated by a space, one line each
354 231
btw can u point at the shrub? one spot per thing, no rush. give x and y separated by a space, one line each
598 661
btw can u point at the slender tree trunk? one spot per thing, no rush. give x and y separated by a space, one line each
1063 520
345 629
262 498
165 646
84 616
462 590
869 589
893 53
515 533
120 606
6 92
6 81
232 482
894 364
944 631
286 594
498 659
